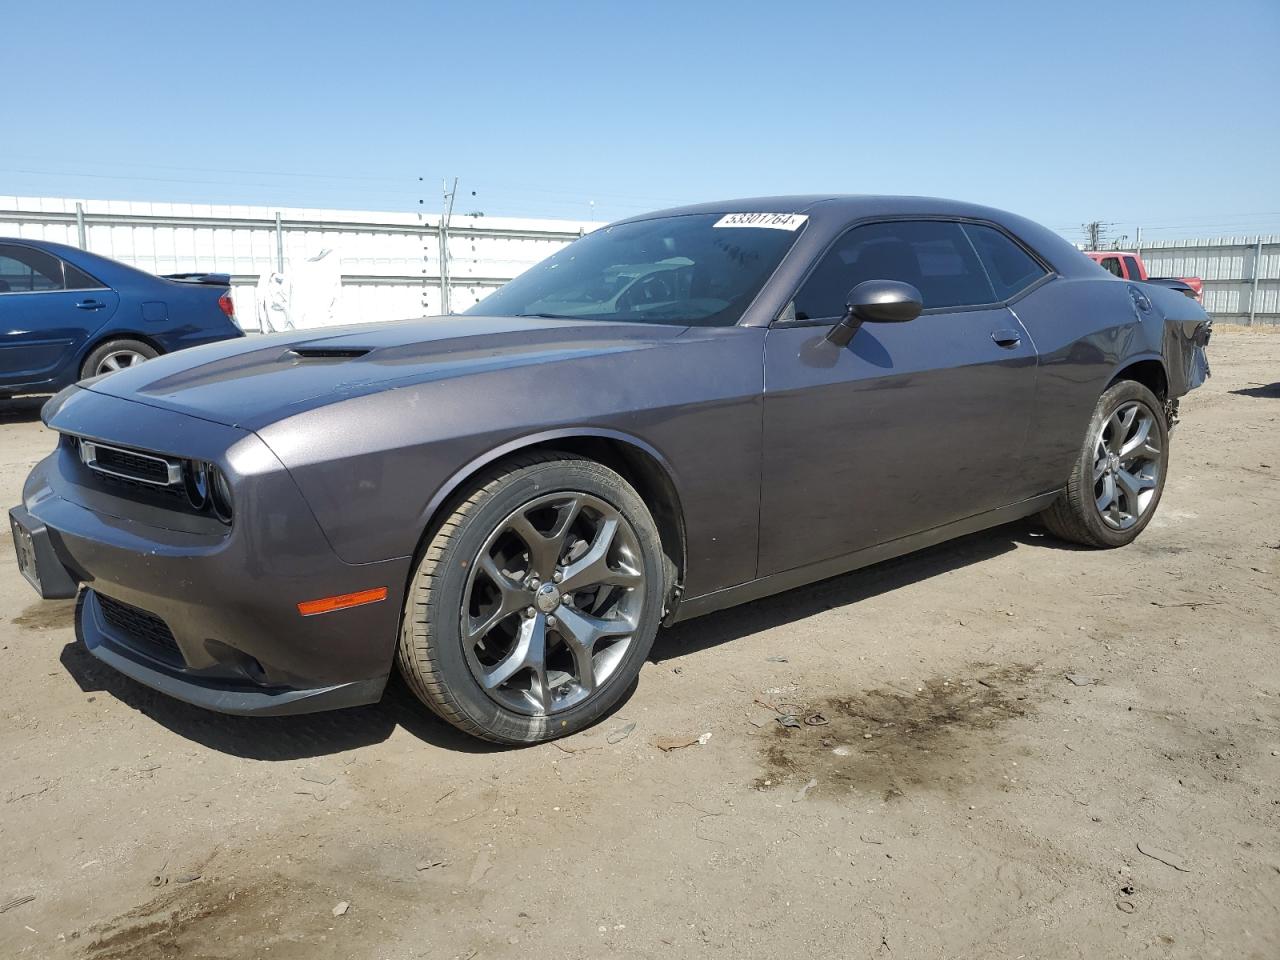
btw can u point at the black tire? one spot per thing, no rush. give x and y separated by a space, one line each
1075 515
431 655
104 350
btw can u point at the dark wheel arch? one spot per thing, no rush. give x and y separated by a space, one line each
1149 372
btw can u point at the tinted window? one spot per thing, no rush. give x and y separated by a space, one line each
1010 268
27 270
77 279
933 256
1112 265
684 270
1132 264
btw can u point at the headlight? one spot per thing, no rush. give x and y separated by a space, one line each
219 493
207 489
197 484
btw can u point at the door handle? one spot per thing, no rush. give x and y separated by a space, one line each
90 305
1006 338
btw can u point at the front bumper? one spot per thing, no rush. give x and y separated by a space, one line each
119 650
225 601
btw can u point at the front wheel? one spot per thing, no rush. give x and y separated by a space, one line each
536 601
1119 476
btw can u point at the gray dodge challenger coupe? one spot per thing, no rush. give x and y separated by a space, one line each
674 414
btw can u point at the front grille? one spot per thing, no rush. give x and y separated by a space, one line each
142 630
134 475
175 497
146 469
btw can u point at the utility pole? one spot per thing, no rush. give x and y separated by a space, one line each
426 256
1095 232
446 214
1138 241
81 234
279 244
1257 273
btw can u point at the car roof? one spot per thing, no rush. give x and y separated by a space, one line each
845 206
830 213
102 268
59 248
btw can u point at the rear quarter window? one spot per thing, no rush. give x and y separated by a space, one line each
1010 268
77 279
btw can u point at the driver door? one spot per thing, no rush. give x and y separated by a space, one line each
911 425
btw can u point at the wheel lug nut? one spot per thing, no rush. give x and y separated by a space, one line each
529 612
558 576
551 621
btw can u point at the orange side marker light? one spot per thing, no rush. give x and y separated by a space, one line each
309 608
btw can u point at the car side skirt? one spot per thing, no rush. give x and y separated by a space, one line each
811 573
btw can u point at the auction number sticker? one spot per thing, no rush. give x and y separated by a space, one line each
769 221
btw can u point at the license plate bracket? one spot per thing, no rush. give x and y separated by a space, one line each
37 560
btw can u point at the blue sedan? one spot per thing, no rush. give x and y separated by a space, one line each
66 314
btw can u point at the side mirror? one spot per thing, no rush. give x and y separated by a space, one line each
876 301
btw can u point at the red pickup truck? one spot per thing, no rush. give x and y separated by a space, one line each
1129 266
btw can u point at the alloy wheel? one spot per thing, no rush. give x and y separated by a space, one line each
1126 465
119 360
552 603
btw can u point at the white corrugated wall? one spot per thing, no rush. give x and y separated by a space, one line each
1241 274
389 261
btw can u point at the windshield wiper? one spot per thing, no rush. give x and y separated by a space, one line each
550 316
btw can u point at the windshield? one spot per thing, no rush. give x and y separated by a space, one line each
699 270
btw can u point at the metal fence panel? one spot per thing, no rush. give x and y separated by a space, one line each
390 261
1241 274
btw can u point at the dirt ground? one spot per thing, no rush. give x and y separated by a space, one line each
965 798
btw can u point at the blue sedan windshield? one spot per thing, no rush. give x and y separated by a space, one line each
697 270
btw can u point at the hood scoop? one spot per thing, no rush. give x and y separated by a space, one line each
329 353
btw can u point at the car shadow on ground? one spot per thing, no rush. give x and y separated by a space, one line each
274 738
849 588
1266 391
22 410
321 734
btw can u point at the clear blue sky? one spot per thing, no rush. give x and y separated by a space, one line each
1160 114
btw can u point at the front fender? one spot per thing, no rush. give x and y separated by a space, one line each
460 477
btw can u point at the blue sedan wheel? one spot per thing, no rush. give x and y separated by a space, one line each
116 355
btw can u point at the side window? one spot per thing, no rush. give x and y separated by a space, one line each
933 256
1112 265
1010 268
1132 264
77 279
27 270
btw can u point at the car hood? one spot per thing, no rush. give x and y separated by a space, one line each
259 380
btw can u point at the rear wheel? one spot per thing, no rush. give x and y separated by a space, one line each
1119 476
536 601
116 355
